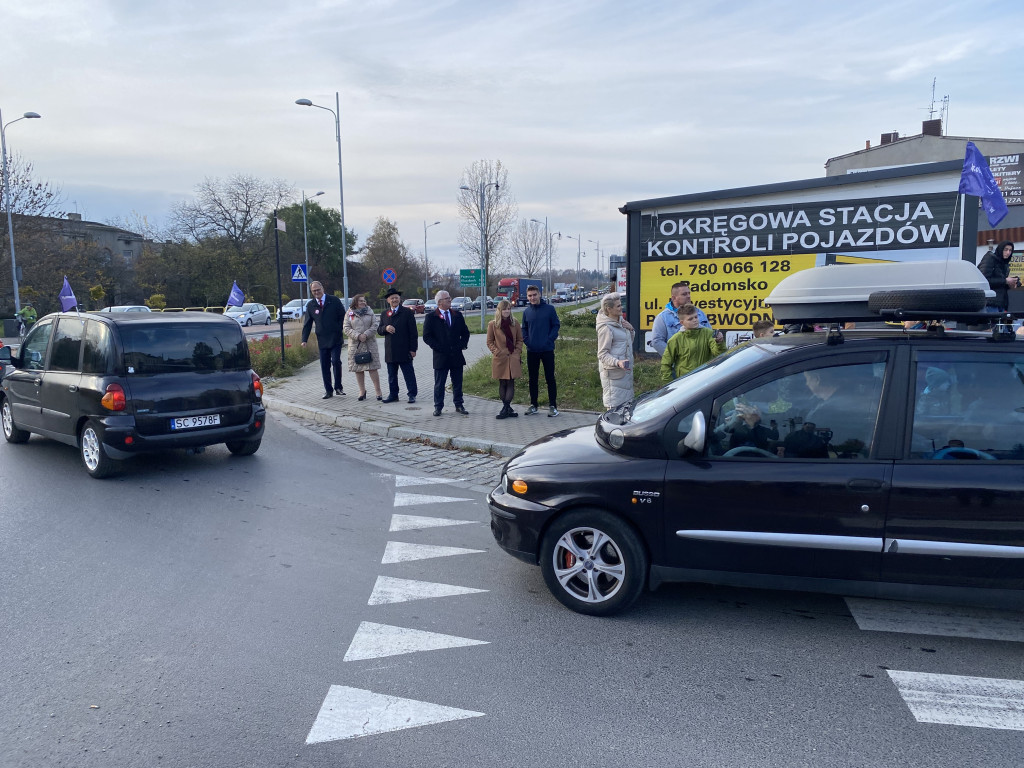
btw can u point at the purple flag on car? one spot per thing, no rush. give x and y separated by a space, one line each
236 298
976 179
67 296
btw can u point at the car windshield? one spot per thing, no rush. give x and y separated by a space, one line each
653 405
175 348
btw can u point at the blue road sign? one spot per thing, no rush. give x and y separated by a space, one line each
299 273
388 276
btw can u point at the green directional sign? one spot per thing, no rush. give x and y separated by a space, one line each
470 278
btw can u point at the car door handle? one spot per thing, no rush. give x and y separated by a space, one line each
864 484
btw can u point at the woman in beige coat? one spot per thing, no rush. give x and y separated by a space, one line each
614 352
361 328
505 340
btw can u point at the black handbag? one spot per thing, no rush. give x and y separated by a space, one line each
362 358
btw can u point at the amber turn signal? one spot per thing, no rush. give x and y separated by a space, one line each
519 486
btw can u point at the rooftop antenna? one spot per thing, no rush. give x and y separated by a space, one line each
931 106
944 115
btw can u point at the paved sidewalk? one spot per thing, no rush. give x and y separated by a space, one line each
301 395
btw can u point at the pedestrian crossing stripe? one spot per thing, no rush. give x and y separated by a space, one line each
392 590
940 620
400 552
413 499
418 523
350 713
377 641
980 702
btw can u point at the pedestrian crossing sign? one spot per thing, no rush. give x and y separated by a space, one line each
299 273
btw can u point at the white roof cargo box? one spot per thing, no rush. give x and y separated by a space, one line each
850 292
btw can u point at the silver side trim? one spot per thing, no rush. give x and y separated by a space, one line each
802 540
951 548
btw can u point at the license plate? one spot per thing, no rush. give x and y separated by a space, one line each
194 422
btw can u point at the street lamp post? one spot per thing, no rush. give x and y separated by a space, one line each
579 256
483 244
341 182
7 200
426 262
305 242
547 242
598 244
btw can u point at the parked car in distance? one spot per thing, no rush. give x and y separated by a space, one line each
876 462
115 384
416 305
478 300
293 310
430 306
462 303
249 314
127 308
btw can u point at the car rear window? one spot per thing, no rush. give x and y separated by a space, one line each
184 347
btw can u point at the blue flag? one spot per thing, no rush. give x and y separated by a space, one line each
236 298
67 297
976 179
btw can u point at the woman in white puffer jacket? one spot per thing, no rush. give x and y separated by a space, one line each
614 352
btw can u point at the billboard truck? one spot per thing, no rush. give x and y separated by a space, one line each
514 289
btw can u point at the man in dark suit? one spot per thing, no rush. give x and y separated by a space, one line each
327 315
401 340
445 331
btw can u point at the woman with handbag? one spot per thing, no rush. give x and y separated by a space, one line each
361 329
505 340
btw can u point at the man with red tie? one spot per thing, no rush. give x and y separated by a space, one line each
446 333
327 314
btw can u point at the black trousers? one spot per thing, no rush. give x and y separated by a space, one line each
533 361
410 378
330 359
440 377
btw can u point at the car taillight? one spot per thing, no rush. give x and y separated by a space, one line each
257 385
114 399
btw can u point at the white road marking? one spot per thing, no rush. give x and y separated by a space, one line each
410 499
391 590
348 713
943 620
400 552
980 702
402 481
418 523
375 641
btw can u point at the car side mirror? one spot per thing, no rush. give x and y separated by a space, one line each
694 440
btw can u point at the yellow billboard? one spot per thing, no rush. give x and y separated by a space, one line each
730 291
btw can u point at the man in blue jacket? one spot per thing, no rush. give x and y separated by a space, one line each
540 330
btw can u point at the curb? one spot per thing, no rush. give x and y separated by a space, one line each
383 429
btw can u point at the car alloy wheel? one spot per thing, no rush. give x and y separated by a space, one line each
11 433
593 562
248 322
95 459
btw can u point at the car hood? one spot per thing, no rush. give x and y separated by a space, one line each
570 446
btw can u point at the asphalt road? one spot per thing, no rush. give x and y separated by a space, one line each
210 610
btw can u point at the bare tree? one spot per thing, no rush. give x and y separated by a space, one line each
384 249
498 214
529 253
29 197
235 209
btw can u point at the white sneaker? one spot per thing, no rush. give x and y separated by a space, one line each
553 412
531 410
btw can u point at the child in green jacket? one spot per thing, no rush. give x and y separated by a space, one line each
691 347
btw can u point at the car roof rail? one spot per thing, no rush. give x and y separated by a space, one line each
1002 322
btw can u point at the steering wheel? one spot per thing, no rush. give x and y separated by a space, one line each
956 452
749 450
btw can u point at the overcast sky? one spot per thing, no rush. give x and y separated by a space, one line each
589 104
